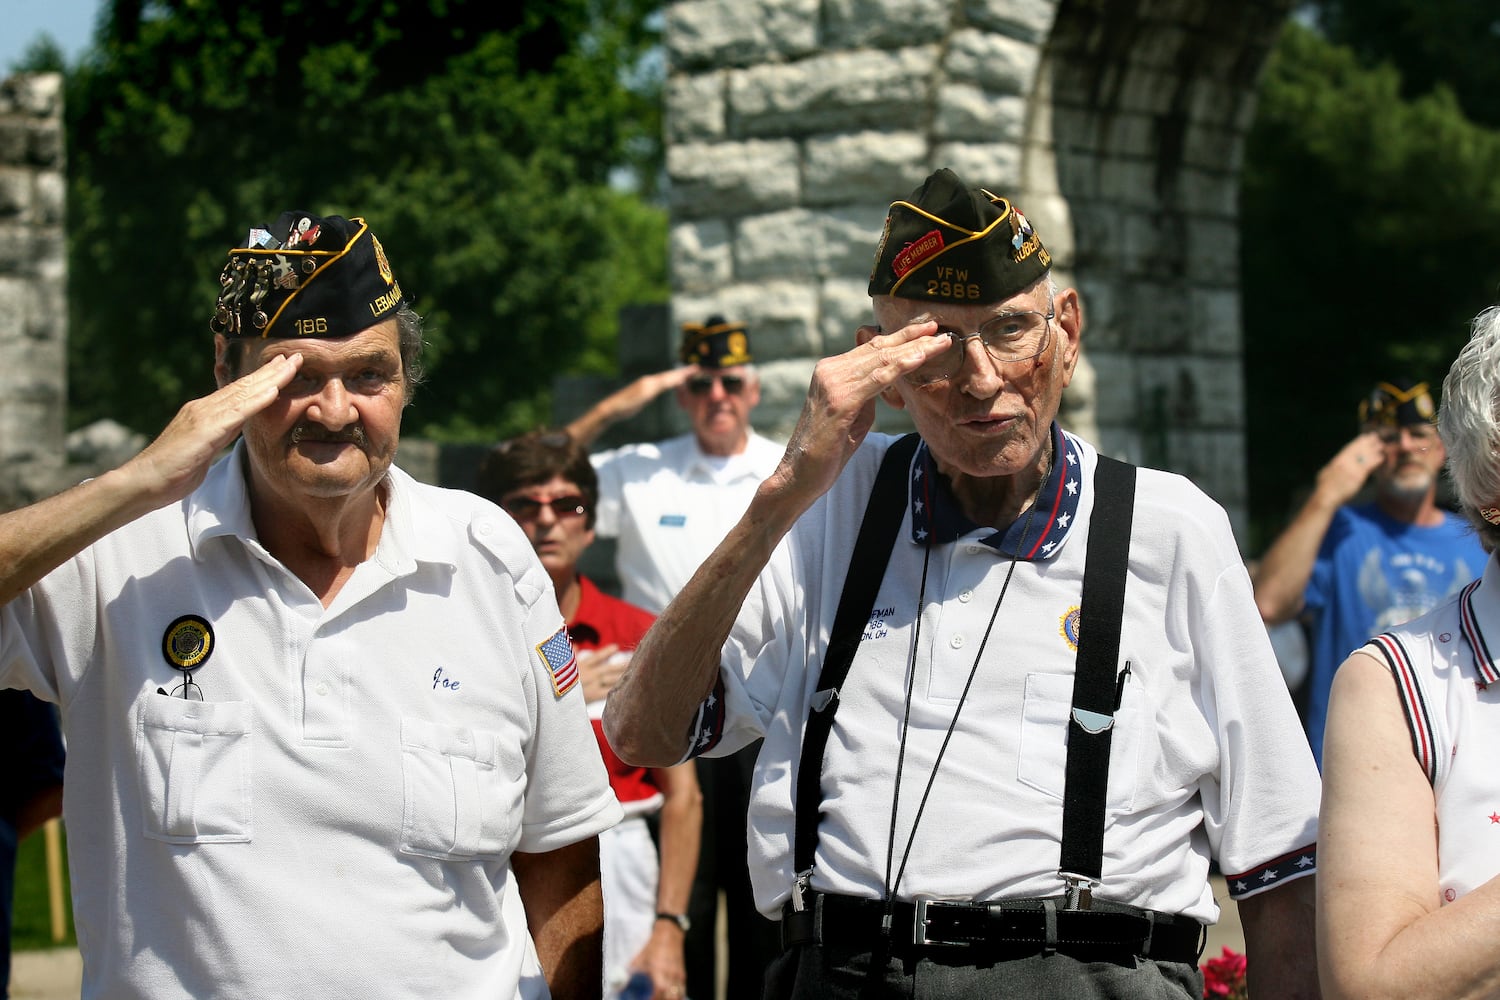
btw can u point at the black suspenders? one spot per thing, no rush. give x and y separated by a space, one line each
872 550
1096 688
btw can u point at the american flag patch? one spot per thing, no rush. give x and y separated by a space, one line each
557 653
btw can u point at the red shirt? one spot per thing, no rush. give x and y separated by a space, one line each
602 620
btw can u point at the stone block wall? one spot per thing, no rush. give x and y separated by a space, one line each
1117 125
33 288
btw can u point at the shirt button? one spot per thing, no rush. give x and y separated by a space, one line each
957 641
966 596
974 550
322 688
483 527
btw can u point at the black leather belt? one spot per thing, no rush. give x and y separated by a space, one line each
1109 932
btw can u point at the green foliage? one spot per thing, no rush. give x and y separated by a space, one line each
1371 237
477 138
1452 43
42 56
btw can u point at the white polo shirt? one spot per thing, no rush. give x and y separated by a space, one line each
337 817
1208 758
670 505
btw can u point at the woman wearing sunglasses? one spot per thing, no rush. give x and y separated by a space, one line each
668 504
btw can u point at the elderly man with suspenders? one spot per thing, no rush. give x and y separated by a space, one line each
964 791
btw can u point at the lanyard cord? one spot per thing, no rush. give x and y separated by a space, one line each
911 670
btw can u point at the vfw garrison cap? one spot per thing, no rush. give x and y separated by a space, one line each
952 243
306 276
715 343
1400 402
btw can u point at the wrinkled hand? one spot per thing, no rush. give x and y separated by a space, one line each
174 464
840 406
600 670
662 960
1346 473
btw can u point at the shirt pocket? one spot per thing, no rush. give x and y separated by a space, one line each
1042 760
195 770
462 792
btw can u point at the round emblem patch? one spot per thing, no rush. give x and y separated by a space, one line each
1067 627
187 642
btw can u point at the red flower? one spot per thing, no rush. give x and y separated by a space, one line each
1225 977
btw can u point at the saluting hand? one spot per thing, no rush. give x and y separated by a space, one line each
37 539
1346 473
174 464
840 406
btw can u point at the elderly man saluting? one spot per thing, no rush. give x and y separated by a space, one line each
324 728
1012 711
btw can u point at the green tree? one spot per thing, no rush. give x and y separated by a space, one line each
1432 43
43 55
1370 237
477 138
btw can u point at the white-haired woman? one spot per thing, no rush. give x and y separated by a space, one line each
1409 838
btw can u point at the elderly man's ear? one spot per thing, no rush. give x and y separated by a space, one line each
222 374
1069 322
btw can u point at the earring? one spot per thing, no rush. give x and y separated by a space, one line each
1490 514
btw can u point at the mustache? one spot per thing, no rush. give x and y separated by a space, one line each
353 434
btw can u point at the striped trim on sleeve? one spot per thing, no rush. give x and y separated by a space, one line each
708 727
1413 702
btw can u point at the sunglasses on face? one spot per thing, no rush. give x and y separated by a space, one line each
702 385
526 508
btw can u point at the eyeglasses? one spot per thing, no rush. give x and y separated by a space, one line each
702 385
188 689
1009 337
526 508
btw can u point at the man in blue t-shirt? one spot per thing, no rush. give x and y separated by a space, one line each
1356 570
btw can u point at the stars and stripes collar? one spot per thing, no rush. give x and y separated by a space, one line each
937 519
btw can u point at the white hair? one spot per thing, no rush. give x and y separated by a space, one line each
1469 422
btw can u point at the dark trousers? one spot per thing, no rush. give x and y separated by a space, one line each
818 972
754 941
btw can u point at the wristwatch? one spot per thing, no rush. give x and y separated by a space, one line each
680 919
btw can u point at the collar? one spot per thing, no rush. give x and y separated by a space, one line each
221 504
936 518
221 507
1479 618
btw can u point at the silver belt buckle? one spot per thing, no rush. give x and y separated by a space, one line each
919 923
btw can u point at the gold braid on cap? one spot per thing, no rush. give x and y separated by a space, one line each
1385 411
1400 395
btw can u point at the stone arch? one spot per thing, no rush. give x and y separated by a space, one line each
1117 124
1139 120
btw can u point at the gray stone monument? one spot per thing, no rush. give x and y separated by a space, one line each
1117 125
